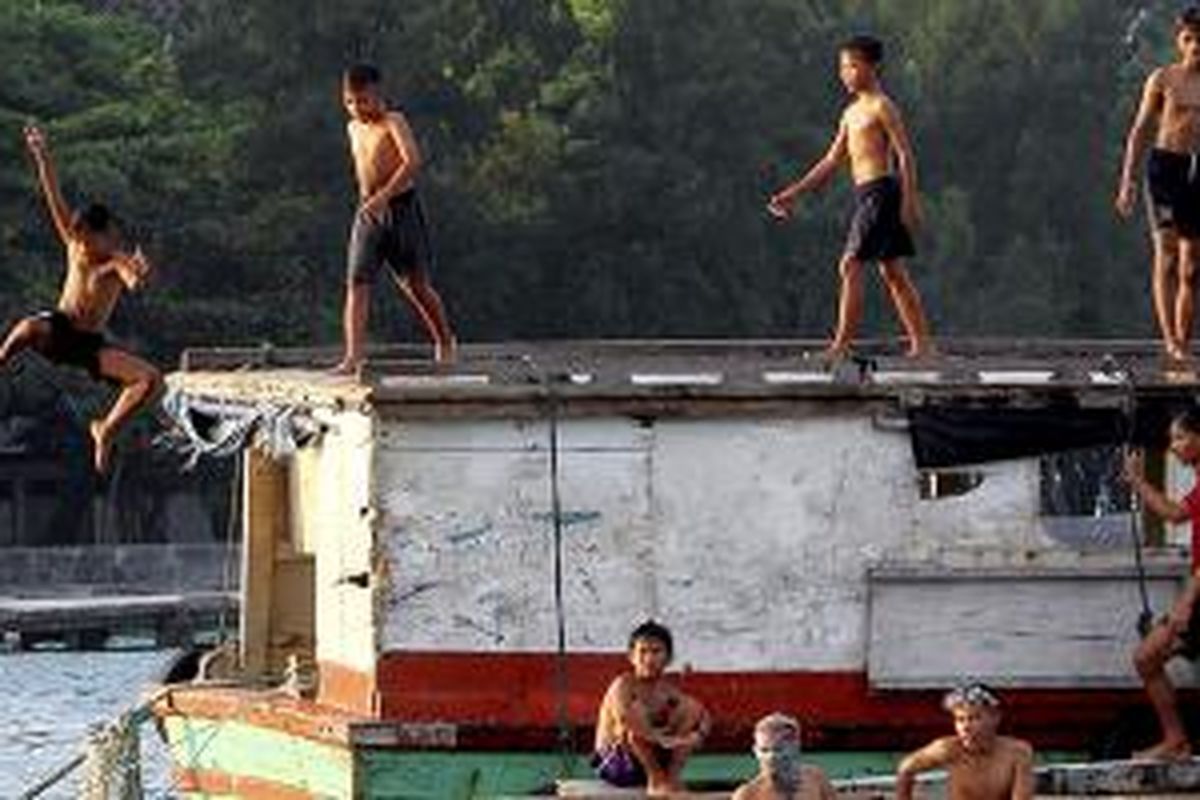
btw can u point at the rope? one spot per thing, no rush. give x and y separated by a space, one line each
1145 620
562 679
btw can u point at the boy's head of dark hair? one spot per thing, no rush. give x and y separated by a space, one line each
656 632
94 218
1188 20
1188 420
868 48
362 76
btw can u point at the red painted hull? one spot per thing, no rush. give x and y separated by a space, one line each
514 701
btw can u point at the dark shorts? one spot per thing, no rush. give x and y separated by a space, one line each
400 240
618 766
67 344
877 232
1173 189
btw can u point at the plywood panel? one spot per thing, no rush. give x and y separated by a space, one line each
1036 630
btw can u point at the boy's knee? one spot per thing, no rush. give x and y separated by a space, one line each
849 266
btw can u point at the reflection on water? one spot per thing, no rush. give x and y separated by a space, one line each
48 700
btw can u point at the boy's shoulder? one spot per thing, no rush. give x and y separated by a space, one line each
1013 746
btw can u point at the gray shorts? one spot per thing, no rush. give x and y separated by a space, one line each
400 239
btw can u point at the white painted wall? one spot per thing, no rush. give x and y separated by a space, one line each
330 485
750 537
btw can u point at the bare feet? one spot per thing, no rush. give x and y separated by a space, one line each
1177 750
836 351
446 352
1176 353
101 446
347 367
922 349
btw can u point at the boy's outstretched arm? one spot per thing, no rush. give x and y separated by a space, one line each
932 756
818 175
906 161
60 212
1162 506
1137 140
410 163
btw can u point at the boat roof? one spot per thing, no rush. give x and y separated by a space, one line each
681 375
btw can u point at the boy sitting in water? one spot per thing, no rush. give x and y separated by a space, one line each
980 764
647 728
781 775
389 227
98 271
887 208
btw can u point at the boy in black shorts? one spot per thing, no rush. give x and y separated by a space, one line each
99 271
887 208
1169 116
389 226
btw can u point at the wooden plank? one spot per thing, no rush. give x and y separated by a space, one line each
1037 629
264 523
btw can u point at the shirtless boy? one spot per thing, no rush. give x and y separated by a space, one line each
647 728
1177 634
781 776
980 764
886 210
1169 115
98 271
389 226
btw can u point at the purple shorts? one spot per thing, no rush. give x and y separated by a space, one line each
617 765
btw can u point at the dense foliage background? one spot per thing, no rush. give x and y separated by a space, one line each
596 167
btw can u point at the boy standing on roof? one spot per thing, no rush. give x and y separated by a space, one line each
886 209
389 227
1169 117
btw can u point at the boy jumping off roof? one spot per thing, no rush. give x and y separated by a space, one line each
98 271
1169 114
980 764
781 775
1177 634
390 223
647 728
886 210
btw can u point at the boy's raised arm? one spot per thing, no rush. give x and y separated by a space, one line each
60 212
1136 142
818 175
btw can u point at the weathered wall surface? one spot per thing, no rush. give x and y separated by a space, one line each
330 488
751 537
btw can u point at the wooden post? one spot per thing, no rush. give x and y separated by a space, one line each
264 492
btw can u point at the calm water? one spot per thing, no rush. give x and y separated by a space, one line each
48 700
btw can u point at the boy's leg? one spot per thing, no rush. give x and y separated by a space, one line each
1150 660
139 380
907 301
1166 256
1189 250
355 313
26 333
417 289
850 302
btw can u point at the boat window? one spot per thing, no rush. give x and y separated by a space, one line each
1084 501
937 484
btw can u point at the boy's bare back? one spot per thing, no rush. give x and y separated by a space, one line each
381 149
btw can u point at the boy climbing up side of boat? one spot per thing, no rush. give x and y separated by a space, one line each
781 775
980 764
647 728
99 270
886 207
1178 633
